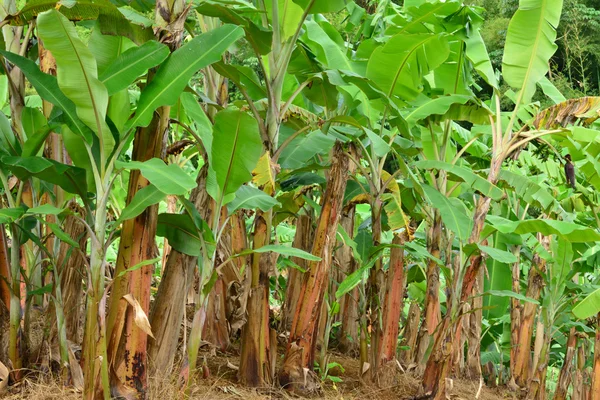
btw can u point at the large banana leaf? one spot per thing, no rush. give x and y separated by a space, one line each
169 179
464 174
398 67
322 6
80 10
498 277
71 179
174 74
453 211
570 231
106 48
290 16
9 144
478 54
123 71
47 87
588 307
236 148
257 36
456 107
248 197
328 45
530 44
143 199
110 18
77 74
421 15
528 190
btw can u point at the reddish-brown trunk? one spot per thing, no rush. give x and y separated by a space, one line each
237 293
374 293
300 351
564 378
217 326
579 386
392 304
256 367
127 343
303 241
348 335
522 362
537 383
432 313
437 368
595 389
515 315
474 331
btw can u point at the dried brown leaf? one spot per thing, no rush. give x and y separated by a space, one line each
140 318
3 378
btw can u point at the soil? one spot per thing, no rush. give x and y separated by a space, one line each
221 384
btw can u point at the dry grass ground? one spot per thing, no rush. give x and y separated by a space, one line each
221 384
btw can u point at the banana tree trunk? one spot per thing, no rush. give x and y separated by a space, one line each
393 297
15 350
127 342
256 367
564 378
374 289
302 240
595 389
537 384
216 326
474 331
432 314
348 334
70 268
516 311
522 362
579 386
409 337
300 351
237 292
166 314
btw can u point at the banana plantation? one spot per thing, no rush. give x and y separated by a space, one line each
351 199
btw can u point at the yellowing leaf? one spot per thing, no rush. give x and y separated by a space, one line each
262 176
393 204
584 109
139 316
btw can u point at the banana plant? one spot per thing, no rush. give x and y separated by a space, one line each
95 145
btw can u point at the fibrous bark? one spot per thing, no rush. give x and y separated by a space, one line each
300 351
393 297
348 334
522 362
256 366
302 240
432 313
166 314
564 378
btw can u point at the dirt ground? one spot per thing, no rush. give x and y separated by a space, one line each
222 384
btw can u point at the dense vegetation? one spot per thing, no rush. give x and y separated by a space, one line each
382 178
